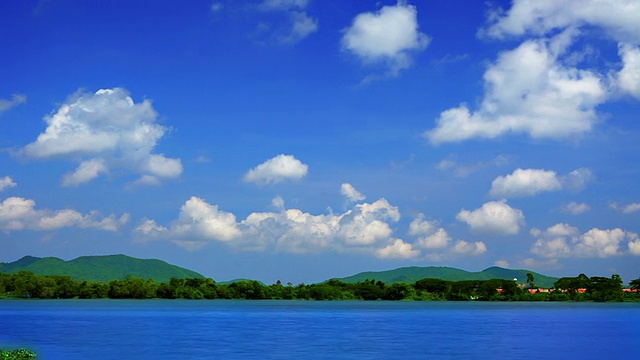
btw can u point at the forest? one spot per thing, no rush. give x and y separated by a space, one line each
27 285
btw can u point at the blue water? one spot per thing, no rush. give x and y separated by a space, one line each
174 329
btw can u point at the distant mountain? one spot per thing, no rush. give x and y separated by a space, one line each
100 268
415 273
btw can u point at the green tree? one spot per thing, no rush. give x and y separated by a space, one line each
432 285
530 279
606 289
24 284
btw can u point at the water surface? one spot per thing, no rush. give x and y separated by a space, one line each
183 329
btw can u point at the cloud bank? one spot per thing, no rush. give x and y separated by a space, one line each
18 213
365 228
565 241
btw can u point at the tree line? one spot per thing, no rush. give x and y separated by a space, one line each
26 284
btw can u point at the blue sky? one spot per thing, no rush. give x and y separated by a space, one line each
299 140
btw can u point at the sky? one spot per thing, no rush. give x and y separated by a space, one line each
302 140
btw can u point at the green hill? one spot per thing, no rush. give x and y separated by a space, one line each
415 273
100 268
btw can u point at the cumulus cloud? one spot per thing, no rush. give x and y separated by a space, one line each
524 182
276 170
527 91
437 242
475 248
634 247
16 99
7 183
563 240
537 89
428 234
104 130
353 195
629 76
529 182
494 217
398 249
18 213
575 208
388 36
620 19
364 228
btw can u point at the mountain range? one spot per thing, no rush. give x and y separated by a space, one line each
100 268
415 273
117 267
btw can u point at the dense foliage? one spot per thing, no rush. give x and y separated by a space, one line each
19 354
25 284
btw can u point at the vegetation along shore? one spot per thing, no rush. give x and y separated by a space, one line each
27 285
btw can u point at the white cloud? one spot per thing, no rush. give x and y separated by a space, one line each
524 182
284 4
502 263
620 19
438 240
199 220
104 130
21 214
419 226
86 171
529 182
302 25
366 223
494 217
577 179
364 229
7 183
562 240
429 235
16 99
463 247
527 91
150 229
629 76
450 164
536 89
626 209
353 195
388 36
634 247
575 208
276 170
601 243
398 249
299 24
